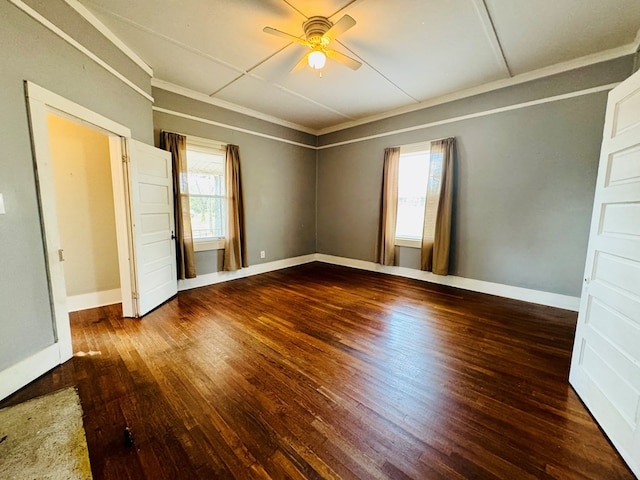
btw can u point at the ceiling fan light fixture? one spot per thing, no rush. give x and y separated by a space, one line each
319 32
317 59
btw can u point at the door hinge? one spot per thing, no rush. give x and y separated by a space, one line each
125 158
135 296
61 254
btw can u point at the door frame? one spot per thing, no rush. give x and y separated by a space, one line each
41 103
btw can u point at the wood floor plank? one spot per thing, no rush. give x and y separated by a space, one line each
322 372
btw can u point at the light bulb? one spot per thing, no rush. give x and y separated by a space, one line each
317 59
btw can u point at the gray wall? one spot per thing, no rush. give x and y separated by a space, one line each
278 179
31 52
524 184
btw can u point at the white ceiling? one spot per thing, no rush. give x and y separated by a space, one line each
412 51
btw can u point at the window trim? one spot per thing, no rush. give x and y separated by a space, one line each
207 244
408 242
206 143
202 245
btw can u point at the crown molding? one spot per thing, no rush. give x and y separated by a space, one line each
78 46
112 37
493 111
574 64
215 123
484 113
201 97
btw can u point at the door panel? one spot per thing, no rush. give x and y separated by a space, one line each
605 367
153 226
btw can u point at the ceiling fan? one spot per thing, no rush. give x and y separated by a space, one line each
319 32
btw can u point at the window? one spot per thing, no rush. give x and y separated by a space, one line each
418 191
205 170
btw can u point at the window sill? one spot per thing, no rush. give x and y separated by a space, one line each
204 245
408 242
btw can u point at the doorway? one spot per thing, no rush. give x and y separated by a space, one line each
44 104
85 212
41 103
141 177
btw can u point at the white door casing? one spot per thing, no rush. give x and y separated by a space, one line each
41 103
153 226
156 259
605 366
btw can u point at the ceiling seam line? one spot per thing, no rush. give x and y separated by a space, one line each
203 97
344 8
249 70
195 51
292 6
519 79
379 72
302 97
227 84
496 37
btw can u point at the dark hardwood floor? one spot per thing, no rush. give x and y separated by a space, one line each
321 371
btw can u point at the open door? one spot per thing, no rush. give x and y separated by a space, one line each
154 247
605 367
143 204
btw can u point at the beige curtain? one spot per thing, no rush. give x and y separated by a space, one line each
235 245
177 145
389 207
436 236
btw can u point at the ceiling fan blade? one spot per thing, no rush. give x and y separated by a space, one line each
278 33
301 64
352 63
341 26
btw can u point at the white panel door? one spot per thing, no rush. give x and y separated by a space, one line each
153 226
605 367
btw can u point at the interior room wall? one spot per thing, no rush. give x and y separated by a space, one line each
278 178
84 206
30 51
524 183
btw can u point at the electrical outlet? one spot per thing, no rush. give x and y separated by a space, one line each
262 254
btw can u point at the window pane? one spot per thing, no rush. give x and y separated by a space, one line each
206 192
205 184
433 196
413 176
207 216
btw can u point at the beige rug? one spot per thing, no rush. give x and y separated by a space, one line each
43 438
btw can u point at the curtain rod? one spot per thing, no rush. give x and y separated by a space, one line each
407 145
202 141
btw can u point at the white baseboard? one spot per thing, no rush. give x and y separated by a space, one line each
17 376
20 374
218 277
517 293
565 302
93 300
